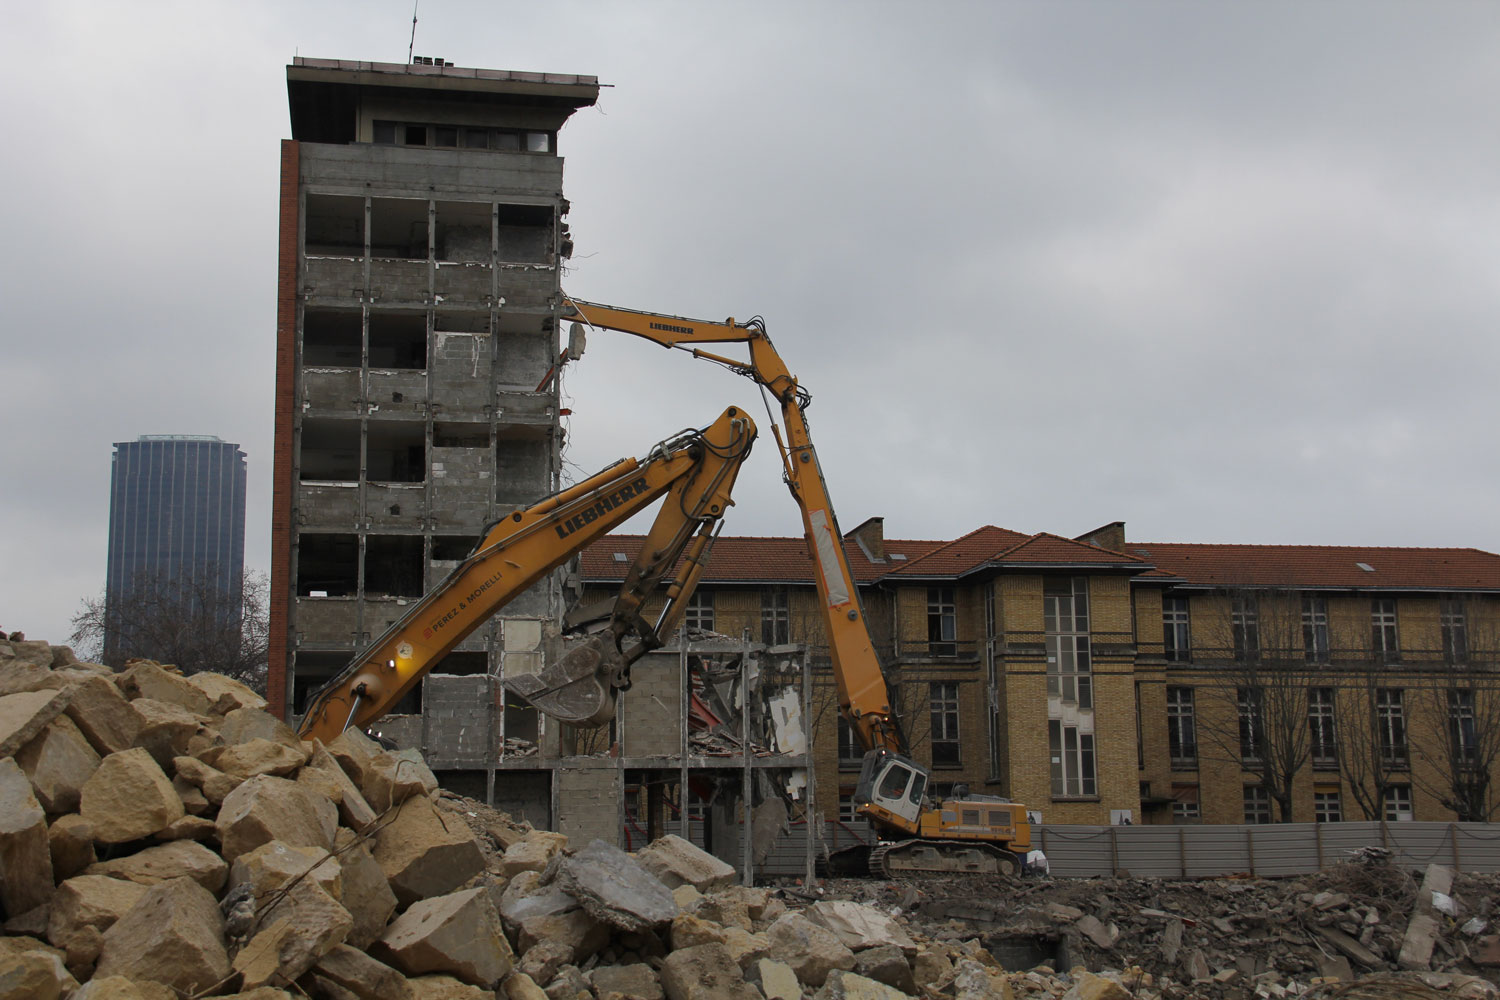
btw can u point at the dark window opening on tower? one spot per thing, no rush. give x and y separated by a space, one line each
331 338
398 228
466 663
398 340
396 452
327 565
335 226
330 451
525 233
393 566
451 548
457 435
463 231
521 466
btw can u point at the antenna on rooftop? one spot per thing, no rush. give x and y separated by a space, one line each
411 46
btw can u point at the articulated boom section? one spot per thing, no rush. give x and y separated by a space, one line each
695 471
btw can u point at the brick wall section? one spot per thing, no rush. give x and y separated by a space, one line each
281 477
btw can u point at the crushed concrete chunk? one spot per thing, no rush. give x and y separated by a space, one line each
458 934
775 979
225 694
393 776
447 988
167 730
615 889
849 986
259 756
681 862
70 842
812 951
178 859
94 902
148 679
34 975
362 975
860 926
706 972
628 982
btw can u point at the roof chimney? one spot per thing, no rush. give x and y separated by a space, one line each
871 538
1109 536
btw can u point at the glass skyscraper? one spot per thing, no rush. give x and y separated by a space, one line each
176 520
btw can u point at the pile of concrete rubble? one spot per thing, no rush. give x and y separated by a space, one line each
163 836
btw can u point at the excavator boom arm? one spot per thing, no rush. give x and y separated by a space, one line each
695 471
864 694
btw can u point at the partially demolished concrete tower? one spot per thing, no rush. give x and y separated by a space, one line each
418 293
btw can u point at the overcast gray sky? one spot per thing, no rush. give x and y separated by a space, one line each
1224 271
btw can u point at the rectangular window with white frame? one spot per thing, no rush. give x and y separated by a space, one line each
942 622
1182 728
943 702
1069 655
1390 716
1324 750
1397 804
1185 808
1453 619
1072 756
775 616
1244 615
850 754
1257 804
1252 724
699 613
1463 731
1175 637
1315 629
1327 806
1384 640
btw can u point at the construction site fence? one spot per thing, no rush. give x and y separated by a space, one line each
1202 851
1268 850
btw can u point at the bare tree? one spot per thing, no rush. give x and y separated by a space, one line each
1371 718
1459 711
190 622
1258 716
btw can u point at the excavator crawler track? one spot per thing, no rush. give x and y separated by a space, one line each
942 857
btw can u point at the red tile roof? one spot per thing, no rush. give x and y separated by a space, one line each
745 559
1333 566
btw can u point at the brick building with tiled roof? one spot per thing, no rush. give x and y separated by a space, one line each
1095 679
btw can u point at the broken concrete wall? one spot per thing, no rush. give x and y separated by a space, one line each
588 802
652 708
461 720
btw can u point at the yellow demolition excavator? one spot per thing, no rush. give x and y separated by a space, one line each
968 833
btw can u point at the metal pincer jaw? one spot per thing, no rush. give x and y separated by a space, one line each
580 687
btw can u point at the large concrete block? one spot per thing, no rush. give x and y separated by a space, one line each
681 862
706 972
129 797
23 716
858 926
267 808
25 858
167 729
458 934
83 908
614 888
225 694
172 935
422 855
148 679
258 756
58 761
812 951
106 719
178 859
366 893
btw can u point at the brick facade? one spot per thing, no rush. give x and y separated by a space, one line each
1002 675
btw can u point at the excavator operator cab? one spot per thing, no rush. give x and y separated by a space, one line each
891 788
